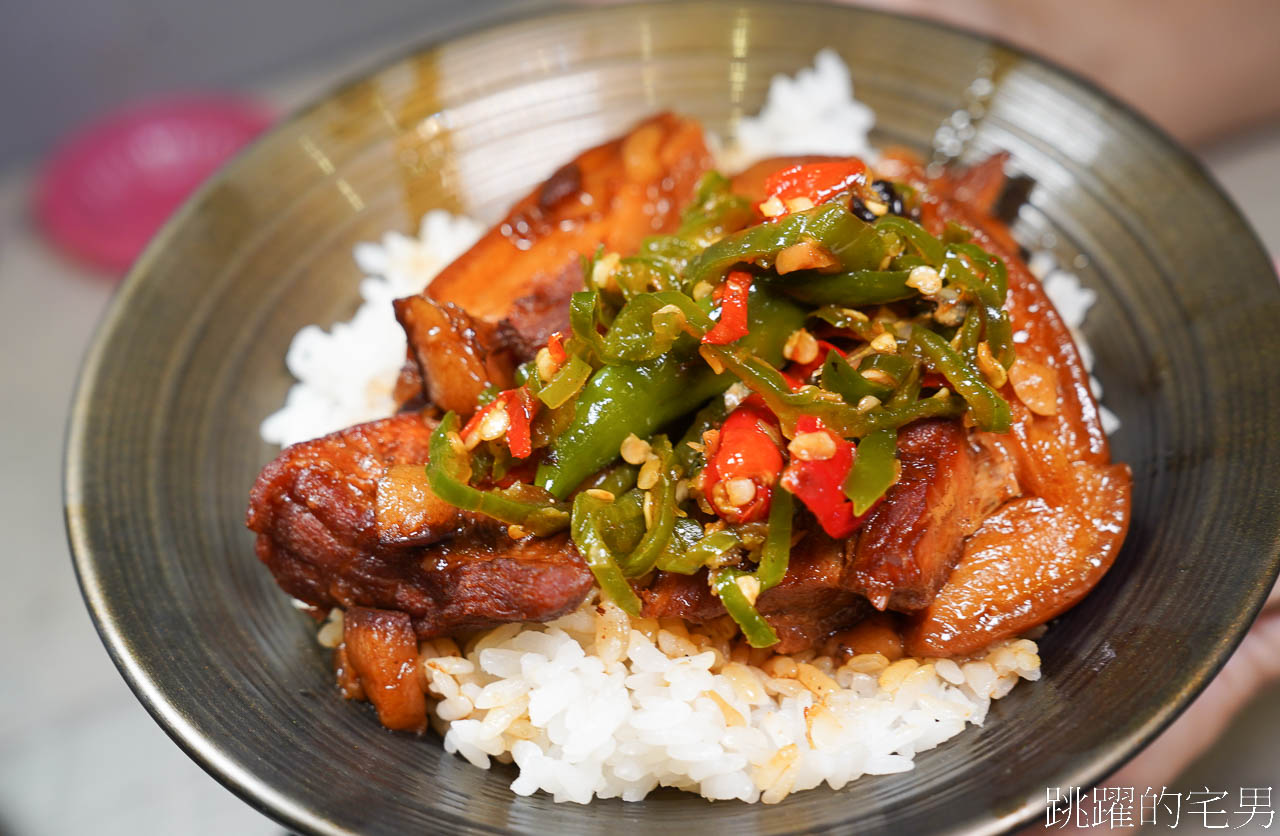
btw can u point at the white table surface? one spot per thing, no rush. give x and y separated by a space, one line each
78 754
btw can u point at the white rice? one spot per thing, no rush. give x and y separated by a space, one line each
595 704
813 112
345 376
590 705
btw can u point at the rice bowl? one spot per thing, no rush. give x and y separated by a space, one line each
674 708
159 452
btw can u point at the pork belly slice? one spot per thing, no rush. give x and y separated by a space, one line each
909 544
452 355
314 510
1029 562
457 355
382 650
615 195
518 278
806 607
534 317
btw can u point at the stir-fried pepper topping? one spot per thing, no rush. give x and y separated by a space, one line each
819 482
733 310
815 182
803 332
743 462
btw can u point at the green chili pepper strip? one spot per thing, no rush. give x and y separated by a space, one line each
954 233
448 472
566 382
846 319
765 380
970 332
908 390
639 274
755 629
646 327
955 270
994 273
854 243
623 399
697 316
990 289
684 535
894 365
646 553
709 548
649 324
999 333
585 310
617 480
776 552
839 377
709 417
631 337
622 522
841 418
658 265
587 518
930 248
859 287
714 210
873 470
990 411
618 401
898 416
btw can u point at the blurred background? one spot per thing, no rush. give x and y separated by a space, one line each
79 753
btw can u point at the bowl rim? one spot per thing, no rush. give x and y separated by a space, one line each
282 808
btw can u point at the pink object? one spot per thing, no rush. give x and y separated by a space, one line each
107 189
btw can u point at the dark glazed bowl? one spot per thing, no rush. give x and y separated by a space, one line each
164 445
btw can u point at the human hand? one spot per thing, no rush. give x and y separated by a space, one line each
1144 51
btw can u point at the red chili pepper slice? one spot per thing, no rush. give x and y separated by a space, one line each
932 380
522 472
555 347
819 484
746 448
794 382
520 411
521 406
474 421
733 310
803 371
816 181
